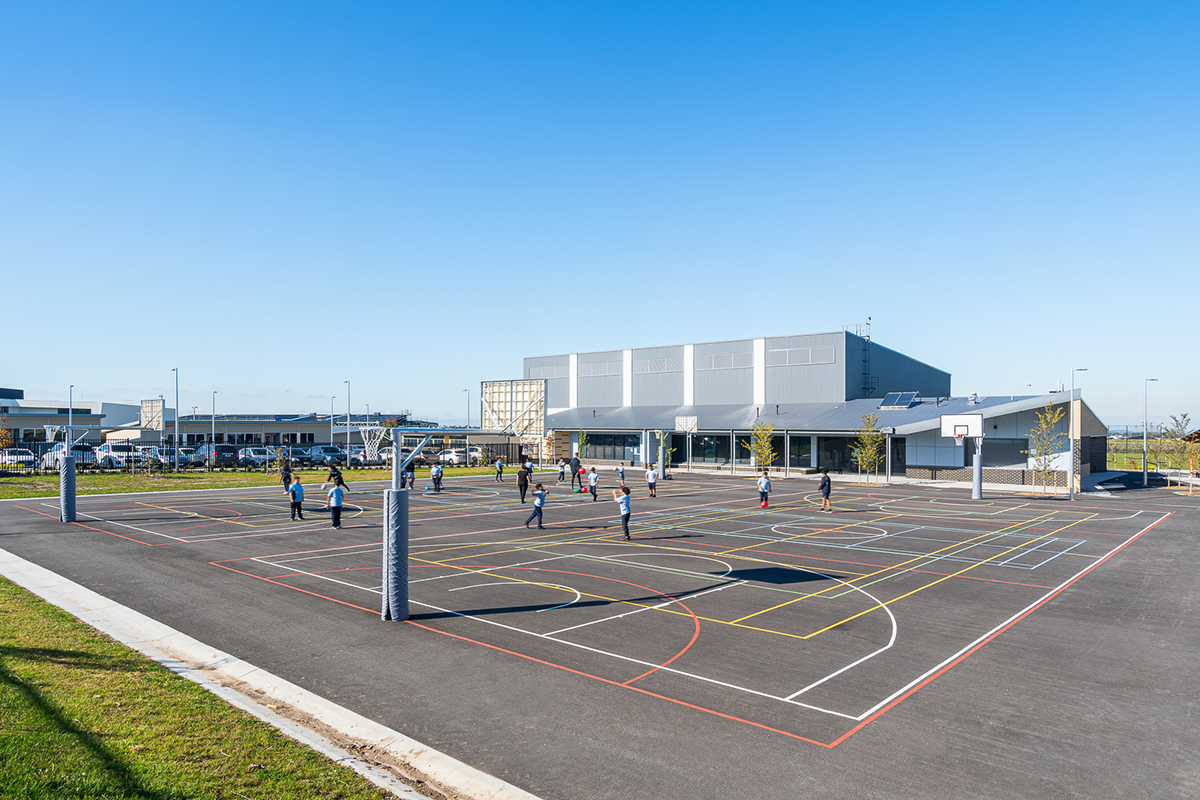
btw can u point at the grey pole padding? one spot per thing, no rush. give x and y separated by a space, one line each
977 477
395 555
66 488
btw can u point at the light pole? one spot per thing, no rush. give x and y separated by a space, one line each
1145 395
347 422
1071 432
212 442
176 371
70 418
468 422
331 400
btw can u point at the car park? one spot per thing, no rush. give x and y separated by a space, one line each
53 458
253 457
118 455
327 455
17 457
215 455
185 455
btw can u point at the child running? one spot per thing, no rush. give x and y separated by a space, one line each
296 492
624 502
539 500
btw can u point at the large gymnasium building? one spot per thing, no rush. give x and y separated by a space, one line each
700 401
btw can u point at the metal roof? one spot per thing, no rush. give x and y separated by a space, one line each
841 417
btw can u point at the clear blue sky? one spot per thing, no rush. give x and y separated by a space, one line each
276 198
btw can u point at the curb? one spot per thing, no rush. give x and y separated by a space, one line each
221 672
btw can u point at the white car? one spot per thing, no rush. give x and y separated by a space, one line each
17 457
53 458
115 455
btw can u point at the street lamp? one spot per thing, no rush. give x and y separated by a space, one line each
70 418
468 423
213 437
347 422
1071 432
331 401
176 371
1145 394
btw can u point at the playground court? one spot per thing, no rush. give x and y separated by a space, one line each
783 631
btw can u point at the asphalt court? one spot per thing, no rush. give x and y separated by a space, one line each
803 625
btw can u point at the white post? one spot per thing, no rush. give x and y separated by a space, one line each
1145 425
977 472
1071 435
887 478
347 424
176 371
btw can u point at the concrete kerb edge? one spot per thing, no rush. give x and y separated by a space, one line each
213 668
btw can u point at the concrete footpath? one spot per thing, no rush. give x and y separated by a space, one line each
385 757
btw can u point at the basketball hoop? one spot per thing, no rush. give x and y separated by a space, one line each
958 438
372 438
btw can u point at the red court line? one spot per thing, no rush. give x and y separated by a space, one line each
90 528
614 683
991 637
294 588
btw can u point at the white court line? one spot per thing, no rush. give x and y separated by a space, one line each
578 596
982 638
640 610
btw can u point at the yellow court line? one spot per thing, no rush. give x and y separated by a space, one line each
894 567
948 577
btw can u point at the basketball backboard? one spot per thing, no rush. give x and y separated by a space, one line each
962 425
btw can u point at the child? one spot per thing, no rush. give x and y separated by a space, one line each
624 502
562 470
621 473
825 488
296 492
764 488
593 479
652 480
499 470
334 503
539 500
436 474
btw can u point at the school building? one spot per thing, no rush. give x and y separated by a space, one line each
700 401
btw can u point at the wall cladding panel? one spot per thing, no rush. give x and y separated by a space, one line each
600 392
663 389
724 386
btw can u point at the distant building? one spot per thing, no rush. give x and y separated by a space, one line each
699 402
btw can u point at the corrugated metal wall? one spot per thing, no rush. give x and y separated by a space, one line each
806 369
600 378
724 373
658 376
894 372
556 370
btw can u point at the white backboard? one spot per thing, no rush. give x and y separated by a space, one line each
962 424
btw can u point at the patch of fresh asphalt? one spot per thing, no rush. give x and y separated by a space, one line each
1091 695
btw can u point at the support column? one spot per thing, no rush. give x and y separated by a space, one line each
888 461
66 485
812 451
787 454
977 472
395 555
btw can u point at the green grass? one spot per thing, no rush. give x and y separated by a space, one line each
12 487
82 716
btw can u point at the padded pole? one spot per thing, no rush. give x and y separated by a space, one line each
66 488
977 476
395 555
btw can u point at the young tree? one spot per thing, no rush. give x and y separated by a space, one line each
6 435
762 444
1044 441
663 438
868 448
583 443
1174 435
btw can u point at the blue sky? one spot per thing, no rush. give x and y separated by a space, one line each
413 196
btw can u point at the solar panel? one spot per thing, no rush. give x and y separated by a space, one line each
898 400
889 400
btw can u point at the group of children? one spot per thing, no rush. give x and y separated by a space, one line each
333 499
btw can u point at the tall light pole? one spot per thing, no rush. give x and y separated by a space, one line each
331 400
468 423
176 371
213 438
70 418
1071 432
347 422
1145 451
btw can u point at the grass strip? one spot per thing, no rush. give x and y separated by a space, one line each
83 716
46 485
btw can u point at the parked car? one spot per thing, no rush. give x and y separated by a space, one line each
453 457
118 455
326 455
298 456
83 453
253 457
17 457
215 455
185 456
